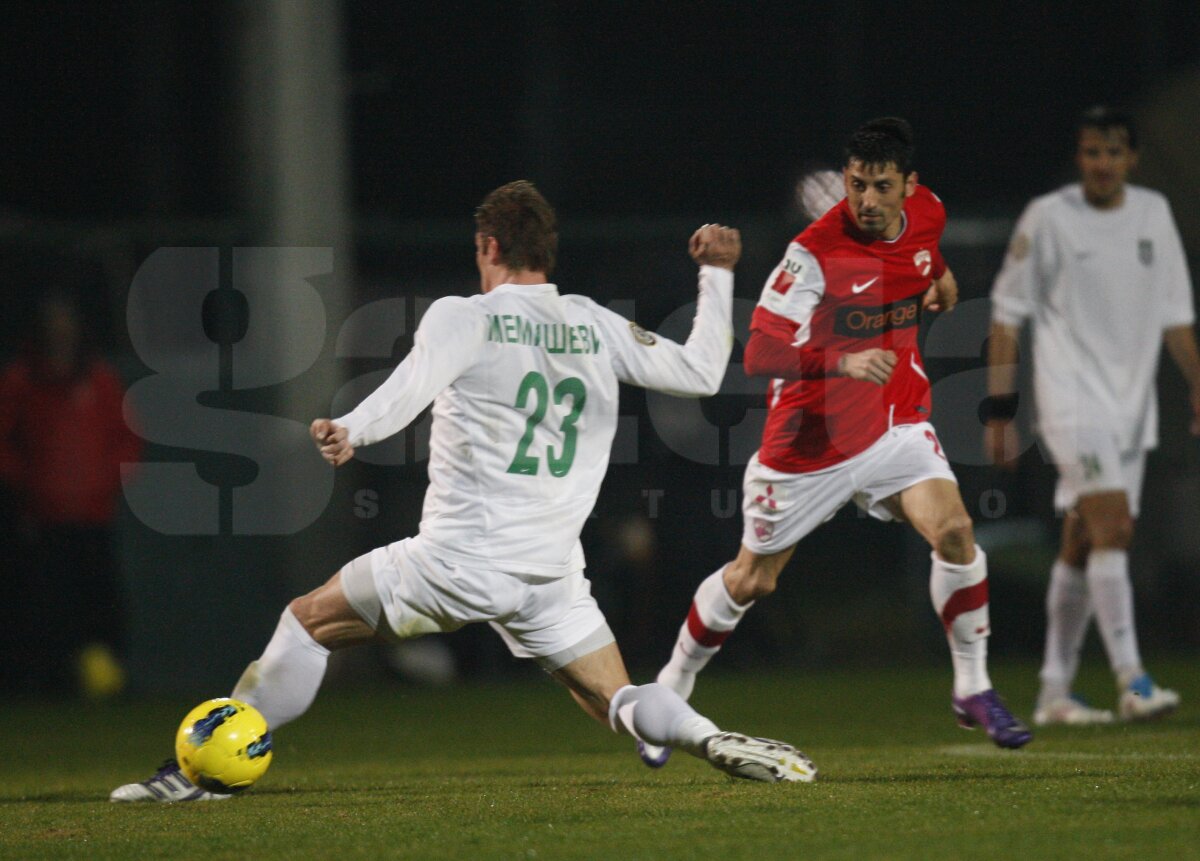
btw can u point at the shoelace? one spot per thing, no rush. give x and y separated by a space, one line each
168 766
169 774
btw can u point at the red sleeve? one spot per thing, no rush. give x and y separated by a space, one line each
938 213
768 356
939 265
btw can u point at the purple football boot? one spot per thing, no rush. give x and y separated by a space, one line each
653 755
988 711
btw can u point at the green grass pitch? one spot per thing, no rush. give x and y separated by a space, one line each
516 771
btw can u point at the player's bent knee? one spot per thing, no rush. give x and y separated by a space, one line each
329 619
954 539
751 576
1114 533
303 608
757 584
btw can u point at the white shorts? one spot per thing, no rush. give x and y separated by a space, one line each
405 589
1089 461
780 508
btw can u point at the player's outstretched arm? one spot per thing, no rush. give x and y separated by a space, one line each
695 368
447 342
332 440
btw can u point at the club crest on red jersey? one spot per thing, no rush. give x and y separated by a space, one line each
923 260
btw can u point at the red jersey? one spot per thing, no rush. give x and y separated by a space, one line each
842 291
62 442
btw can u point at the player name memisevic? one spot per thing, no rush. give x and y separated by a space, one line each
552 337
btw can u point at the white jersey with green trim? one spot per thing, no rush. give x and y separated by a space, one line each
1099 286
524 388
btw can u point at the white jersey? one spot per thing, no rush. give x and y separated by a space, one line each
1100 287
524 389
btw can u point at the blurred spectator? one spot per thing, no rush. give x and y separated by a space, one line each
62 440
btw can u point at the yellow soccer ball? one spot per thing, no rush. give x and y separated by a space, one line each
223 745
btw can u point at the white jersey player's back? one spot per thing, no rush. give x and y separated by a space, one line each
521 439
524 383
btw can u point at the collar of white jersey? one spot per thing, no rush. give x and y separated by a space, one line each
526 289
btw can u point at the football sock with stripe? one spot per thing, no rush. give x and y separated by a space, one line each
656 714
283 683
1068 611
960 598
1112 599
713 616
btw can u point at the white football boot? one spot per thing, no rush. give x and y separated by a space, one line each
758 758
167 785
1070 711
1144 700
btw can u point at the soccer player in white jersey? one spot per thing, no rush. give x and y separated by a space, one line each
524 386
1098 270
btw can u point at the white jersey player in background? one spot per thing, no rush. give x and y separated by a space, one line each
524 385
1098 270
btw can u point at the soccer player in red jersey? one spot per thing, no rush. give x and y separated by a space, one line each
835 332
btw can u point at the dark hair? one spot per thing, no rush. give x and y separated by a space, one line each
1105 119
523 224
888 140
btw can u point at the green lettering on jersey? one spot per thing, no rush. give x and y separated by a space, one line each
557 461
552 337
556 340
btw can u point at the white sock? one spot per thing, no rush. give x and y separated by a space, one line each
960 598
713 616
656 714
1112 599
283 683
1068 611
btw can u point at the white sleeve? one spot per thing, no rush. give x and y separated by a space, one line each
1178 309
1019 285
795 286
693 369
446 344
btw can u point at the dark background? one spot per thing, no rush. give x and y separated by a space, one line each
126 110
125 131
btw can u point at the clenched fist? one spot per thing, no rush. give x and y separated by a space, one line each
716 245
